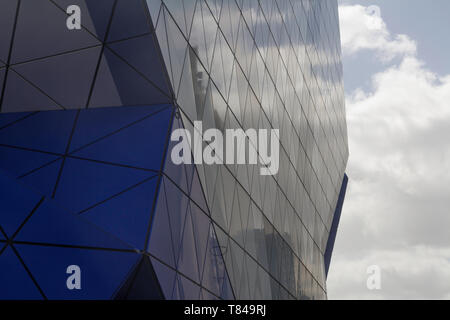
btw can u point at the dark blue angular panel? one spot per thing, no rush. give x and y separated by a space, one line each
49 32
101 271
142 284
94 124
17 202
10 118
129 20
44 179
96 14
50 224
119 84
142 54
14 280
67 78
22 96
46 131
84 184
7 17
139 145
335 224
19 162
127 215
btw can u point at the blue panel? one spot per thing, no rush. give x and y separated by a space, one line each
96 14
119 84
51 37
47 131
94 124
7 17
84 184
44 179
14 279
101 271
18 161
9 118
140 145
142 54
66 78
21 96
143 285
17 202
127 215
51 224
335 224
129 20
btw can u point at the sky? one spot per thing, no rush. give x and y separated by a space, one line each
396 213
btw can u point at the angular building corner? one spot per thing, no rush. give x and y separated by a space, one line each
91 205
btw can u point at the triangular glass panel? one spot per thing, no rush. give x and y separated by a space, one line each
17 203
44 131
142 284
166 277
95 124
65 78
118 84
130 20
7 17
96 14
20 96
52 225
51 37
13 272
99 183
18 162
140 145
161 240
142 53
98 279
127 215
43 179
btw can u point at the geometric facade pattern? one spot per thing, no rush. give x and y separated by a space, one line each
264 64
85 121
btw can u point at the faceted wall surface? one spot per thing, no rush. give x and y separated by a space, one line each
85 173
264 64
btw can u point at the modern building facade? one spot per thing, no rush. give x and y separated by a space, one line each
91 204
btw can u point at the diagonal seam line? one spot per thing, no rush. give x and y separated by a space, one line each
11 44
69 246
18 120
37 88
138 72
28 217
118 130
118 194
29 272
100 57
65 154
158 184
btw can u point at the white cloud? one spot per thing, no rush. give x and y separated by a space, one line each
363 28
397 210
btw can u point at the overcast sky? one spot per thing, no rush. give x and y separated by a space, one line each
396 214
